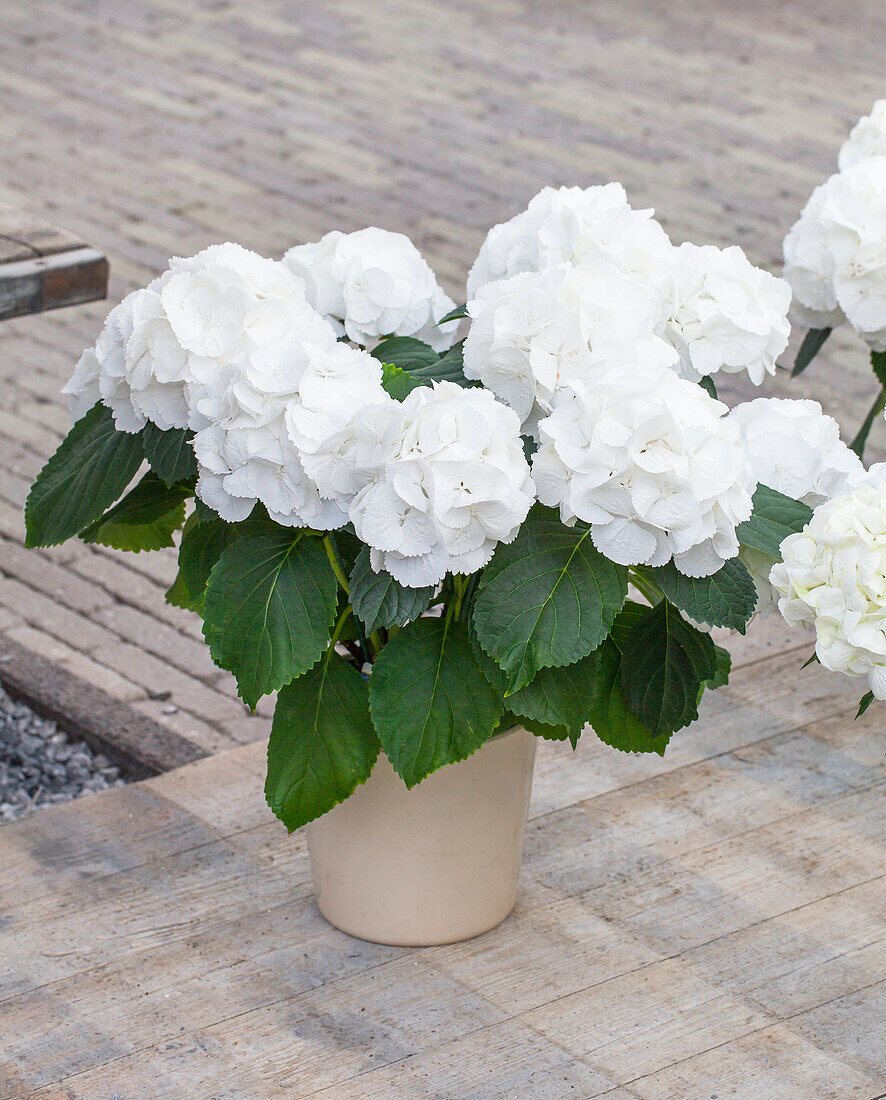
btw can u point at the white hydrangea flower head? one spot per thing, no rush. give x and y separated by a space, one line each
722 313
867 139
374 283
284 403
536 332
453 485
168 352
833 578
240 466
568 225
649 461
835 255
796 449
809 268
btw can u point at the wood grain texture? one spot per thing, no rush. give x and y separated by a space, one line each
711 922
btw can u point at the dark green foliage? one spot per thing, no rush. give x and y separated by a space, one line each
85 476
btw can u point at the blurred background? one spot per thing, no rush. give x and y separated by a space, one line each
156 127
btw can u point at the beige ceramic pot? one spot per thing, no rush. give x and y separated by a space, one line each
435 864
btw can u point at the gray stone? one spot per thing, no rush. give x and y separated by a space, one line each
40 767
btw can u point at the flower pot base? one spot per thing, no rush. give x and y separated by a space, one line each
432 865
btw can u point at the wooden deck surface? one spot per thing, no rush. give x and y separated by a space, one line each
712 924
152 127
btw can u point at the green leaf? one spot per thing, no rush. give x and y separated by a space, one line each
813 660
405 352
812 344
725 598
707 384
450 367
664 663
878 366
454 315
549 733
775 516
430 700
144 519
203 512
170 453
548 598
398 382
322 742
421 362
612 719
561 698
864 703
381 602
721 674
269 608
177 594
88 472
202 544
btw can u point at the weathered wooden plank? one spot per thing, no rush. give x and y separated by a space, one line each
50 282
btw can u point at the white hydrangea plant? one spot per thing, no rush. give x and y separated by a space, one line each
835 256
418 542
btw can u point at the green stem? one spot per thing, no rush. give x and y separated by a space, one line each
470 589
336 633
335 562
858 444
460 585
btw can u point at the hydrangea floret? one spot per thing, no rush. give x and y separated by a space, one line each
419 542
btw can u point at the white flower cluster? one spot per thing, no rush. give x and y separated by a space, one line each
284 413
796 449
833 577
722 313
649 460
867 139
373 283
835 254
176 344
281 409
437 481
225 343
534 333
579 281
568 225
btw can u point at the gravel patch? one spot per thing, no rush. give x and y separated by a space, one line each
40 766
